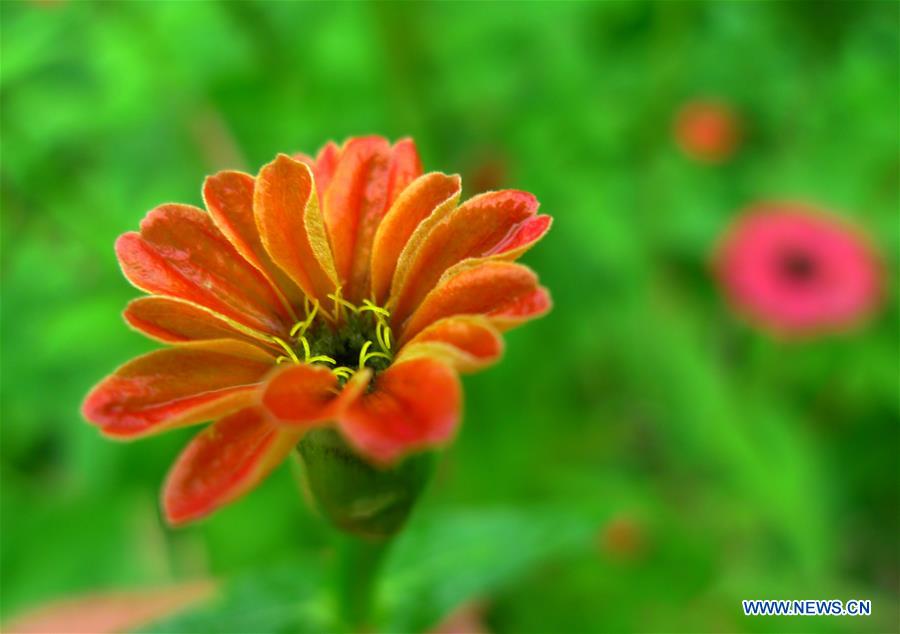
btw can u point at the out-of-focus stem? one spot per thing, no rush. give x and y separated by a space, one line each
358 567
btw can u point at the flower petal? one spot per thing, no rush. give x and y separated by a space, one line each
485 288
291 226
525 308
176 321
496 225
466 343
414 405
323 165
180 253
177 386
303 395
368 176
229 198
406 166
522 237
224 461
433 193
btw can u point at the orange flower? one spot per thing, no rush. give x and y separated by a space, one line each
348 289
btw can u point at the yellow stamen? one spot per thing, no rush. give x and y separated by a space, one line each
340 303
362 354
287 348
342 372
365 355
302 326
383 334
371 306
306 350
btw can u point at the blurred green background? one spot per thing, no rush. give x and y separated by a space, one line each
641 460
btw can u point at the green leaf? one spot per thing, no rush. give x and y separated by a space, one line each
288 599
449 558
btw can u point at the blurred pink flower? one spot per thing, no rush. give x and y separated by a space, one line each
707 131
110 612
797 271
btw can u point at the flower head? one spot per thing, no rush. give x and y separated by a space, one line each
707 131
798 271
344 290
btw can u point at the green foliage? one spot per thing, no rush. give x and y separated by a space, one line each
287 599
750 467
443 560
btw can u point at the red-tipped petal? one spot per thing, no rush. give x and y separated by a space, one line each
406 166
488 225
229 198
368 176
176 321
303 395
467 343
291 226
524 308
413 405
326 163
323 165
522 237
483 289
177 386
354 203
433 193
224 461
180 253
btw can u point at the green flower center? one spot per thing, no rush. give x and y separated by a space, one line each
347 340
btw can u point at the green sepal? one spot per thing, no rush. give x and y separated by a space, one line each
356 496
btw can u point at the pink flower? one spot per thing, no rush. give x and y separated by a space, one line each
797 271
707 131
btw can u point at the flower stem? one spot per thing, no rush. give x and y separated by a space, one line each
359 562
367 504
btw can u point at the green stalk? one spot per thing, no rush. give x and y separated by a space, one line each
367 504
358 567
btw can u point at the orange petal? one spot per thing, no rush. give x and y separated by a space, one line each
291 226
180 253
355 200
466 343
224 461
413 405
323 165
303 395
522 237
326 162
177 386
368 176
229 198
495 224
525 308
406 166
482 289
177 321
433 193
